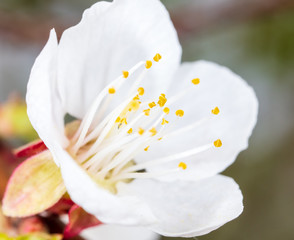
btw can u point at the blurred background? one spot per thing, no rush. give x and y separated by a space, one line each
254 38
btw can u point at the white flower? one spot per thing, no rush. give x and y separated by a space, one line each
173 188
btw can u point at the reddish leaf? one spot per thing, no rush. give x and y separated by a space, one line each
62 206
79 220
30 149
31 225
8 162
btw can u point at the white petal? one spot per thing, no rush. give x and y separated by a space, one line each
111 232
187 209
110 38
233 125
44 108
107 207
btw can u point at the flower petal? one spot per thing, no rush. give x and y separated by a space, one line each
34 186
111 232
218 87
186 208
110 38
98 201
44 108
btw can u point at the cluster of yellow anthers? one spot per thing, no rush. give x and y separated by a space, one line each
134 105
107 149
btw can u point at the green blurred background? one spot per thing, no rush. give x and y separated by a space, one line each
255 38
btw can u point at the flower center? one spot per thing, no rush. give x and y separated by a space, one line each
106 145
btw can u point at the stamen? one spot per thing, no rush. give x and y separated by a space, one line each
170 158
136 97
107 148
147 111
180 113
102 130
196 81
166 110
162 100
143 175
97 159
111 91
130 131
182 165
122 157
217 143
126 74
88 119
153 131
148 64
164 121
141 91
124 120
107 121
157 57
134 105
152 104
141 131
215 111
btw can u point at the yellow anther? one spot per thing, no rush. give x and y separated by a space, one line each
141 131
124 120
196 81
180 113
147 112
164 121
111 91
161 103
130 131
215 111
159 139
152 104
117 120
134 105
157 57
153 131
141 91
146 149
148 64
217 143
166 110
125 74
162 100
136 97
182 165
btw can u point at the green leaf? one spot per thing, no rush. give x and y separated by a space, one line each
39 237
3 236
